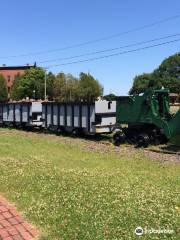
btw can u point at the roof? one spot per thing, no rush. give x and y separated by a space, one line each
24 67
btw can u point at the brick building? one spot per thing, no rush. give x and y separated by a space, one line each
10 73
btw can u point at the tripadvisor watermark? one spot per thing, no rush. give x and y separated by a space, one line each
139 231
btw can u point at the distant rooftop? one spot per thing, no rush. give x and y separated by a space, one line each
24 67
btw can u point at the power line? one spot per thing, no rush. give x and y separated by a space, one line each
96 40
114 54
109 49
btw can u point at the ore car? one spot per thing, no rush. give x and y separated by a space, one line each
97 117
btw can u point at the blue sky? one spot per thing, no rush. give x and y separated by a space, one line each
39 25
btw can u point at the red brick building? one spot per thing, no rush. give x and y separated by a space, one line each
10 73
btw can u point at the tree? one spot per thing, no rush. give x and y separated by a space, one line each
170 67
89 88
60 87
3 89
110 97
72 88
66 88
51 78
169 73
31 83
141 82
63 88
172 83
166 75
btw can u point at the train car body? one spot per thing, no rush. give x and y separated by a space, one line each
97 117
1 114
21 114
148 118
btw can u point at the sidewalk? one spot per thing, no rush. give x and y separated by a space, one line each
12 225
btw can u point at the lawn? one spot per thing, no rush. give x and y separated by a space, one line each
71 190
175 140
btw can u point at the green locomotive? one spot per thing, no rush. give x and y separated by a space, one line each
147 119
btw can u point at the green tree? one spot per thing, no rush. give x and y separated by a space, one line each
51 78
170 67
141 83
89 88
60 87
172 83
169 73
31 83
110 97
72 88
66 88
166 75
3 89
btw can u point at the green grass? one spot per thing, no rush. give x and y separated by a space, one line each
175 140
70 192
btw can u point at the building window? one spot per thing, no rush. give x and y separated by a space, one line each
9 78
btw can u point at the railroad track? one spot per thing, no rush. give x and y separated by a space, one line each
164 151
104 140
160 154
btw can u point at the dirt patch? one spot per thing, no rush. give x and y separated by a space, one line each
163 156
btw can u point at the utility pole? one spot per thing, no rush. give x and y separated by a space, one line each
34 94
45 84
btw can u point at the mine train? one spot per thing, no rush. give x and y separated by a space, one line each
141 119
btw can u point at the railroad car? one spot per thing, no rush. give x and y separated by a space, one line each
88 118
21 114
98 117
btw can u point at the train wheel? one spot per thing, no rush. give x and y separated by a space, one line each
143 140
59 131
119 138
163 139
75 132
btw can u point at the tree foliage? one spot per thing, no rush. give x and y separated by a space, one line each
60 87
166 75
66 88
110 97
89 87
63 87
3 89
141 82
72 88
32 83
51 79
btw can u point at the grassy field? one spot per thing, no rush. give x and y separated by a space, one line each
70 189
175 140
